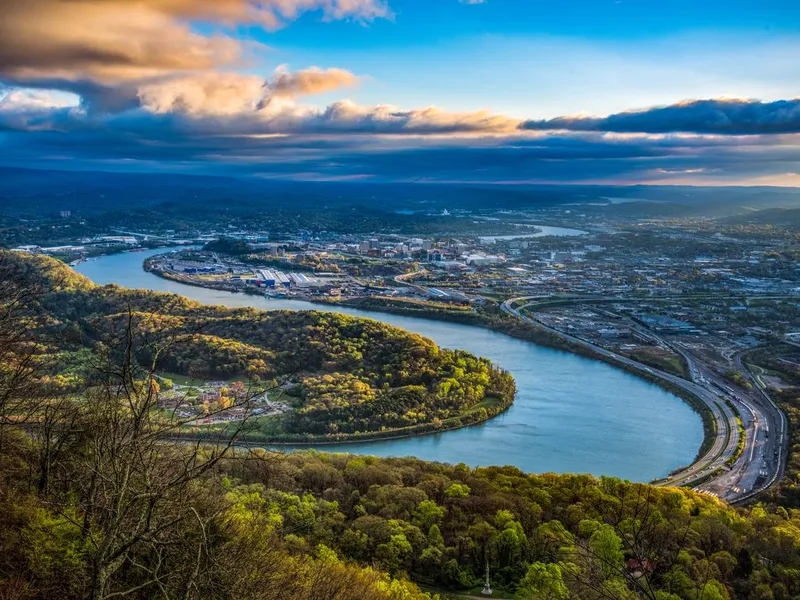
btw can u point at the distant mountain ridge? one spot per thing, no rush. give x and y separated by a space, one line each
91 192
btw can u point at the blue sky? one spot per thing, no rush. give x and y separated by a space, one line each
495 91
542 58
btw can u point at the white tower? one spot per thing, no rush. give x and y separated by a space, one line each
487 588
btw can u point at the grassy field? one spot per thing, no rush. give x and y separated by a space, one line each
660 359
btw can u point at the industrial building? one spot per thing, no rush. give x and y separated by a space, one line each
272 278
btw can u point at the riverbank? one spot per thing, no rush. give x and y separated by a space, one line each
491 317
476 415
571 414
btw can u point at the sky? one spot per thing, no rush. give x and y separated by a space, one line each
697 92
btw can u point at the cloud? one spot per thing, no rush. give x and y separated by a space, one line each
197 131
713 116
102 41
203 94
37 110
236 104
236 95
113 41
347 116
163 142
152 92
154 84
309 81
20 100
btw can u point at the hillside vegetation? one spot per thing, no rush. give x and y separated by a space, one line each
99 500
543 536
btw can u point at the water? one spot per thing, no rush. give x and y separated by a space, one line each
544 230
571 415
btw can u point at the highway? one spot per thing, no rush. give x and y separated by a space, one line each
762 459
538 302
742 477
767 461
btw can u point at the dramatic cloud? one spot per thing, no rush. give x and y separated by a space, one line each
232 104
162 144
222 123
20 100
111 41
237 96
37 110
349 117
721 116
143 84
204 94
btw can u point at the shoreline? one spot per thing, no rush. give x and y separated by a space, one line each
390 435
394 434
542 338
497 323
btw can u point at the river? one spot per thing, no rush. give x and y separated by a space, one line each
571 414
543 231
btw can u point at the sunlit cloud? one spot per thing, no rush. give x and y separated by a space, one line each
113 41
234 94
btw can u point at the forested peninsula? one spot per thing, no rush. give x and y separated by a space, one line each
333 377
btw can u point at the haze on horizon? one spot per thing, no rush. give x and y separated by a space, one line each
485 91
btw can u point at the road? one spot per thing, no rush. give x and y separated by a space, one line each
747 474
405 279
767 461
544 301
762 460
144 236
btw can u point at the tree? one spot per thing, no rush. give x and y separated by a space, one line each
457 490
606 547
145 512
428 514
393 553
22 361
542 582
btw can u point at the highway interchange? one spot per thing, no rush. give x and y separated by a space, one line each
719 471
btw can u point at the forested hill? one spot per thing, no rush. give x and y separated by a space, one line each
99 500
544 537
350 376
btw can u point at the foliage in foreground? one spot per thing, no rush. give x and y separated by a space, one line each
207 540
261 525
97 499
543 536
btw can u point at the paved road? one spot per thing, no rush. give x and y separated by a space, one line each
405 279
767 459
746 476
762 460
544 301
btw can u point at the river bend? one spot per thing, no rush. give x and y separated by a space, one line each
571 415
